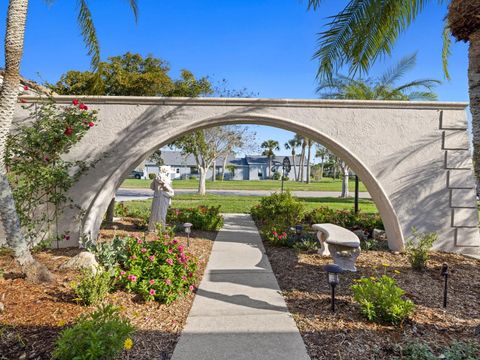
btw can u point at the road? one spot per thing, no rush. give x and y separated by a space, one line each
124 194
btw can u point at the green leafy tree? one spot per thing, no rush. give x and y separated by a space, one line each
14 39
270 146
366 29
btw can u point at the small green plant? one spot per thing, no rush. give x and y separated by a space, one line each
93 286
101 335
416 351
381 300
418 247
307 243
109 253
458 350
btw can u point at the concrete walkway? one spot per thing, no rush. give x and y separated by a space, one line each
238 312
126 194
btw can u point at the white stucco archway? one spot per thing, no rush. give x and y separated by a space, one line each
412 157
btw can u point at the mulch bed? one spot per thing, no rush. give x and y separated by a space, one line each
35 313
345 334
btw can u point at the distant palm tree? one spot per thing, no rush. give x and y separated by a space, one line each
14 39
365 29
270 146
321 153
309 154
381 88
301 141
292 144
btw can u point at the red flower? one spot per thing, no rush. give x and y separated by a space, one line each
75 102
91 124
68 131
83 107
26 88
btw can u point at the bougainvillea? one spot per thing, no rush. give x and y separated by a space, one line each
39 176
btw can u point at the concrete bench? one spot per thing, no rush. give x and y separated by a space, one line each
343 245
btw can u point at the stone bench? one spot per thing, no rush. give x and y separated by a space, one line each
343 245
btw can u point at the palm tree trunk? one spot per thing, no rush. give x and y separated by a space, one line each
15 31
302 161
270 167
293 162
321 167
474 92
308 160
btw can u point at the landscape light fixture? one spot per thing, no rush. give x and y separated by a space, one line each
188 230
333 278
445 275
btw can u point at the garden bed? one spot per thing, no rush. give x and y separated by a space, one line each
35 313
345 334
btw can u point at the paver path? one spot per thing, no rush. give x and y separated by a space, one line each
238 312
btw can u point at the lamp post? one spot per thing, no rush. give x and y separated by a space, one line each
333 279
188 230
445 275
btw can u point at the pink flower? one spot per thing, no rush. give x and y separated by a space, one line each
83 107
151 258
26 88
75 102
91 124
66 237
169 261
143 250
175 241
132 278
170 251
68 131
275 233
184 278
168 282
190 274
122 273
151 282
191 287
139 241
181 248
133 257
152 292
167 236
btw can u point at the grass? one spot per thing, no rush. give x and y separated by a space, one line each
327 184
243 204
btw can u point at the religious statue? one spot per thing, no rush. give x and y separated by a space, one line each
162 198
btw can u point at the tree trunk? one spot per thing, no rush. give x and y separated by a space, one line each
308 160
302 162
270 167
223 167
15 31
201 182
345 170
293 162
321 168
474 92
214 169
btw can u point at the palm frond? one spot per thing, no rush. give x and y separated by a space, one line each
447 42
89 33
398 70
134 6
422 95
362 31
426 83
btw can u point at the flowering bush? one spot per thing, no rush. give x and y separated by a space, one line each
276 237
158 270
381 300
202 217
39 176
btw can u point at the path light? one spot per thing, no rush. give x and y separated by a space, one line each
298 232
333 279
188 230
445 275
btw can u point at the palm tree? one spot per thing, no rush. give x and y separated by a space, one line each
321 153
301 141
309 153
383 87
270 146
292 144
14 38
366 29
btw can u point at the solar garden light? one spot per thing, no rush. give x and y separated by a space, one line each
445 275
333 279
188 230
298 231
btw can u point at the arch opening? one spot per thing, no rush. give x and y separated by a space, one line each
98 206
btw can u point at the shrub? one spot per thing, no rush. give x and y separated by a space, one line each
462 351
93 286
121 209
280 210
417 248
276 175
202 217
345 218
158 270
381 300
458 350
151 176
100 335
109 253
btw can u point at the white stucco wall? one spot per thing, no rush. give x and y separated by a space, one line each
413 157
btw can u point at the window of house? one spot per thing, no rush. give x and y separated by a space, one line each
194 170
178 171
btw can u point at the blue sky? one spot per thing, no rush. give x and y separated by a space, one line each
265 46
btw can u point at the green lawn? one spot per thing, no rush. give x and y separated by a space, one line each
242 204
326 184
